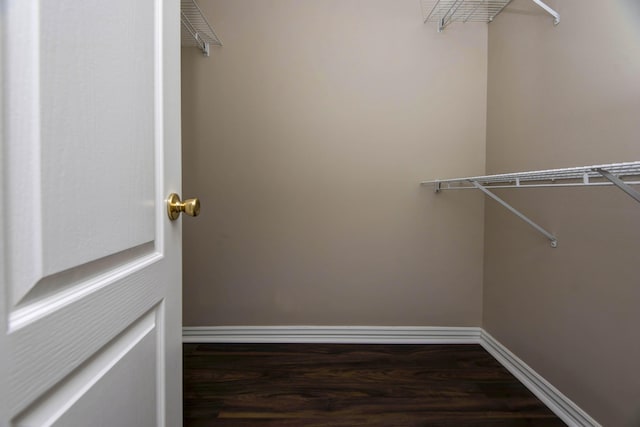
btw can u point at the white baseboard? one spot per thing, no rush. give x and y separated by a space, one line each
332 334
561 405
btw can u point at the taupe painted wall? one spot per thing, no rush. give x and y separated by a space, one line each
306 136
558 97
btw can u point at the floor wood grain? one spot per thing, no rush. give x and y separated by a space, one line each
354 385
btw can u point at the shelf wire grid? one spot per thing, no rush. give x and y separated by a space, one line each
445 12
553 176
196 30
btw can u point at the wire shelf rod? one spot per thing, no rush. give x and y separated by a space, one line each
620 184
473 11
196 30
597 175
617 169
447 186
444 12
545 233
550 11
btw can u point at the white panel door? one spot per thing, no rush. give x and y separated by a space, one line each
90 317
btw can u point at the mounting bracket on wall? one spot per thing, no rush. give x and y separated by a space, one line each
444 12
196 30
618 174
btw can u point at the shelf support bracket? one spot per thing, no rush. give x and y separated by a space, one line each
619 183
556 15
204 45
551 237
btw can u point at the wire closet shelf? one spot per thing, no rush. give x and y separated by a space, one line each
567 177
195 29
445 12
622 175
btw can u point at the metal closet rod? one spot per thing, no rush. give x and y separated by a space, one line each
609 174
556 15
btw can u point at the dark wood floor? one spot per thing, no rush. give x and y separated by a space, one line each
353 385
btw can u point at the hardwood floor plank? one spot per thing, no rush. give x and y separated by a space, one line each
349 385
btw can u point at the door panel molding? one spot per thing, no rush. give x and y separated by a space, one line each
47 410
69 287
41 357
84 125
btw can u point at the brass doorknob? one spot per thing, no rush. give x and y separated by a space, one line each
174 206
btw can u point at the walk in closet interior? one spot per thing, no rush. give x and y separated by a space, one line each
345 154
